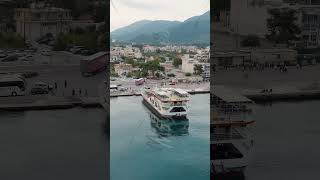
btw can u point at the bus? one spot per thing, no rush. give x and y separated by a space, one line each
12 85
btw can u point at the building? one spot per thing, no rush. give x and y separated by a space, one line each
123 69
250 17
189 62
231 58
41 19
273 56
257 55
310 26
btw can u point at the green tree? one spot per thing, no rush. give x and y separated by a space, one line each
282 26
152 66
130 61
198 70
176 62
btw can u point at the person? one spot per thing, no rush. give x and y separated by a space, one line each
65 83
80 92
73 92
55 85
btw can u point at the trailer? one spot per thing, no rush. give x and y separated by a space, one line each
93 64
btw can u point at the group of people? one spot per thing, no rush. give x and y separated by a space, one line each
266 90
258 67
73 90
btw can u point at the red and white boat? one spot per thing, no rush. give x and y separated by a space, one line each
167 102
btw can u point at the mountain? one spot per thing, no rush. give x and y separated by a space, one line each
195 30
142 29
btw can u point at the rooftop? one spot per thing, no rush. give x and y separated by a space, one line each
171 94
229 95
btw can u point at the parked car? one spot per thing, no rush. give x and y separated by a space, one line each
3 55
123 89
27 58
38 90
10 58
43 85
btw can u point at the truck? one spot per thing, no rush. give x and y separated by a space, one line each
90 65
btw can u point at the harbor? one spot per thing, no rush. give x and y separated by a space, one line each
151 140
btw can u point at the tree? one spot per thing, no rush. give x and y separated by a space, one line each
177 62
251 41
282 26
130 61
152 66
198 70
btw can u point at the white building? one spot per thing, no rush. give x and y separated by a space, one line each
189 62
250 17
274 56
148 48
256 55
41 19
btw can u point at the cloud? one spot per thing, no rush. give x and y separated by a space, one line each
140 4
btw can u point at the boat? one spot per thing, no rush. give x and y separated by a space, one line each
169 126
167 102
231 151
231 134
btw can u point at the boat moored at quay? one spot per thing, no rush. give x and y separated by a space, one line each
167 102
231 132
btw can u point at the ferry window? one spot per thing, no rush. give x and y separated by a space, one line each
178 109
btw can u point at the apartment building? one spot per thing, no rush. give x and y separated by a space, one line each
41 19
250 17
189 62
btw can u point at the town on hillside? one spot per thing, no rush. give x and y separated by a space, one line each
160 65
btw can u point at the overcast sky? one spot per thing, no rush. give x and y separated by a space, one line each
125 12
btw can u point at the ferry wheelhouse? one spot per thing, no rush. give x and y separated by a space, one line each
167 102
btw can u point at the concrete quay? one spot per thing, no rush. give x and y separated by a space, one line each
46 103
285 96
193 92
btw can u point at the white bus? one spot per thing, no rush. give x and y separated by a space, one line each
12 85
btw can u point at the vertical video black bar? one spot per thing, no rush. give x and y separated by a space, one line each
107 82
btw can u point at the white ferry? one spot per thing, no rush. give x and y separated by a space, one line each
167 102
231 132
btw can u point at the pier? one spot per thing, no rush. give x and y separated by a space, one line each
193 92
284 96
24 103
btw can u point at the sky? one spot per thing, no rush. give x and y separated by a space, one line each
125 12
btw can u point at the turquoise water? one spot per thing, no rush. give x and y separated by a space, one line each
144 146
